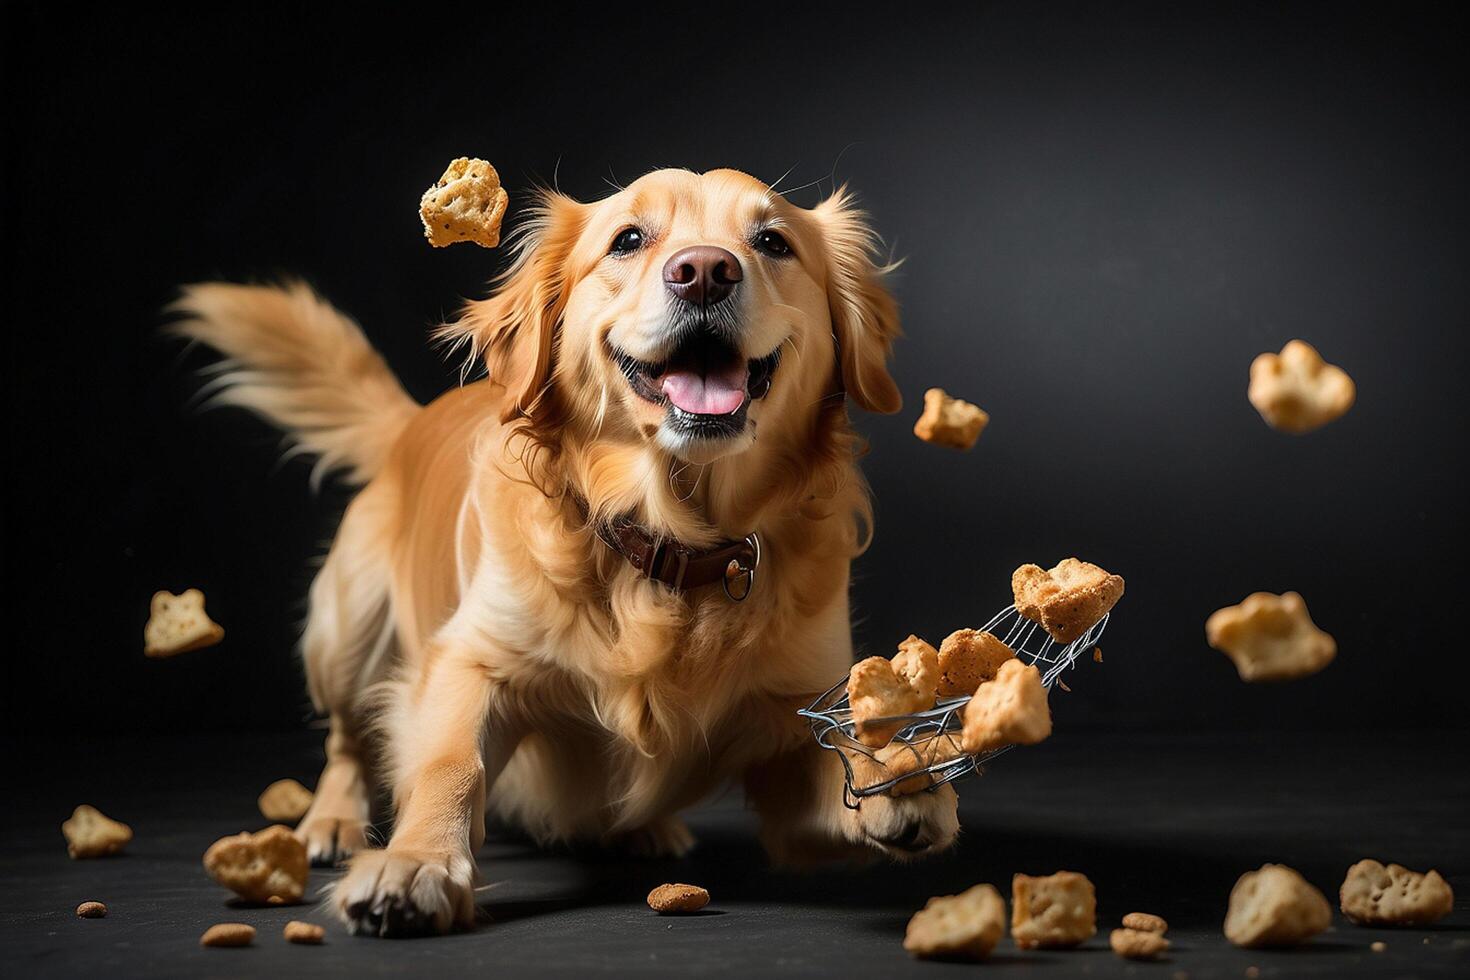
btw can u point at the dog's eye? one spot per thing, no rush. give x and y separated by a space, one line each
628 240
772 243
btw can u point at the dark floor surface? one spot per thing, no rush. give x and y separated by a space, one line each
1159 823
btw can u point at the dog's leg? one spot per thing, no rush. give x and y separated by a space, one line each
804 819
336 825
348 645
453 741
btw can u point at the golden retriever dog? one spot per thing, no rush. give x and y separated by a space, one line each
670 365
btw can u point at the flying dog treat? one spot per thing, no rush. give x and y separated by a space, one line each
898 759
270 866
1373 895
285 801
304 933
1275 906
179 624
1270 637
1053 911
89 834
91 910
466 205
1144 922
1010 710
1067 599
878 688
950 421
228 934
1296 391
969 658
963 926
1137 944
674 899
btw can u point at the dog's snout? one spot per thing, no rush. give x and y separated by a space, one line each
702 274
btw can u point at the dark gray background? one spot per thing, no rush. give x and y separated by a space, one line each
1106 212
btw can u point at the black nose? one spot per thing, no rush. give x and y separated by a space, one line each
702 274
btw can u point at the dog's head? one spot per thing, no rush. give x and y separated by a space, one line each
690 311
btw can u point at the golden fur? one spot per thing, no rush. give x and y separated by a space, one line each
469 611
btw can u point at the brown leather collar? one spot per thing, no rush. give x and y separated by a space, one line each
681 568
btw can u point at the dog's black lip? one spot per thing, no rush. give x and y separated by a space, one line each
640 376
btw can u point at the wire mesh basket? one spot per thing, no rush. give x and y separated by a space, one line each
921 733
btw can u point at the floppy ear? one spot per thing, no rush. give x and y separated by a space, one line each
515 328
864 312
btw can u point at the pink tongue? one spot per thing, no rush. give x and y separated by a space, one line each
716 393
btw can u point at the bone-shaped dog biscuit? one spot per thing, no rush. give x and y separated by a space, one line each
1066 599
1374 895
1010 710
178 624
1296 391
1270 637
969 658
1275 906
465 205
963 926
91 834
879 689
1052 911
950 421
270 866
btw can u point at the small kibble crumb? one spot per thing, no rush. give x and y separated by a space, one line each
1063 685
1145 922
91 910
1097 654
1136 944
304 933
674 899
1379 947
228 934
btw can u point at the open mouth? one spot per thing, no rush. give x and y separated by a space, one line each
706 384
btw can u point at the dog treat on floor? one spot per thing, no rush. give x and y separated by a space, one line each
879 688
228 934
1296 391
285 801
1275 906
1137 944
1010 710
1270 637
1145 922
950 421
269 867
89 834
1052 911
178 624
1068 599
969 658
676 899
304 933
1374 895
91 910
899 758
963 926
466 205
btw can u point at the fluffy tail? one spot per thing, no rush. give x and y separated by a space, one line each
304 366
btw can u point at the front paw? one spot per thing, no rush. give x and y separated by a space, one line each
907 827
406 893
331 840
